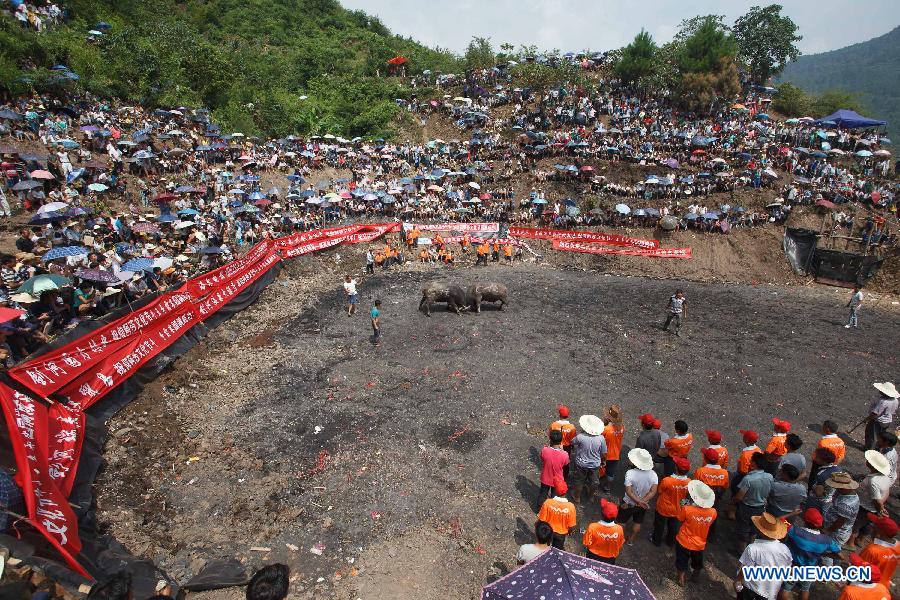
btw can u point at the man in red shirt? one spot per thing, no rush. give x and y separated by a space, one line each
568 431
553 462
672 490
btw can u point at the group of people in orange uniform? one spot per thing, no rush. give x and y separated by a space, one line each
688 504
440 250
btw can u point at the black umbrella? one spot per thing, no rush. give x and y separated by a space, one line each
27 184
10 115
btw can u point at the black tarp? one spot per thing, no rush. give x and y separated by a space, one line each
799 246
806 258
101 555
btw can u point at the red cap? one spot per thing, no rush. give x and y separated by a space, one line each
657 423
646 419
563 411
857 561
781 426
812 517
681 463
609 509
750 436
711 455
560 486
885 526
714 437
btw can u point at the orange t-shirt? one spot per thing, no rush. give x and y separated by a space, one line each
604 539
723 454
858 592
559 513
695 524
507 250
835 444
679 446
672 490
884 556
613 435
568 431
744 458
778 444
715 476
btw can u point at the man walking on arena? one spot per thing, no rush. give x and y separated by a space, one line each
352 295
677 311
855 302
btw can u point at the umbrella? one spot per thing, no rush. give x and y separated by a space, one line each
63 252
474 185
27 184
98 275
125 248
52 207
10 115
41 283
622 209
138 264
10 314
42 174
188 211
163 198
166 218
559 575
142 155
864 154
145 227
97 187
211 250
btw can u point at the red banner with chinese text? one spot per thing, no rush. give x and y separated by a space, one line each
610 239
596 249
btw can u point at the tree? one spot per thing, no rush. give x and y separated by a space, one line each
690 26
479 54
792 101
638 61
767 41
829 101
706 63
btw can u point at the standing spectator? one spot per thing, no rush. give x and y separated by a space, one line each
568 431
604 539
870 590
554 460
765 551
750 499
613 433
677 307
559 513
641 483
543 533
697 517
793 443
840 513
352 295
715 476
714 438
650 438
271 582
884 551
672 491
370 262
788 494
589 452
677 446
854 305
881 413
824 466
886 444
11 500
808 545
873 493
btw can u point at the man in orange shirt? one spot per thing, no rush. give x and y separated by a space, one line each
508 252
495 252
465 243
884 551
715 442
604 539
613 433
568 431
778 444
697 517
559 513
677 446
750 438
872 590
482 251
715 476
672 490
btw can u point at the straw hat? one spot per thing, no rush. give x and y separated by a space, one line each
641 459
770 526
878 461
591 424
702 495
841 481
887 388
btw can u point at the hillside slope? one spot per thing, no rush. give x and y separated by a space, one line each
269 66
871 69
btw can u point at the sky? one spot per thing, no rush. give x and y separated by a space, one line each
598 25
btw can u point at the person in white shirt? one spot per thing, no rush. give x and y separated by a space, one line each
352 295
641 483
528 552
765 551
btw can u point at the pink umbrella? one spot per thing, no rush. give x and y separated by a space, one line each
145 227
41 174
9 314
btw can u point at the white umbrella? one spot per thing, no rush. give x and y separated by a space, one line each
52 207
474 185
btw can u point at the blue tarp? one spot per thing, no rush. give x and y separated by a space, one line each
849 119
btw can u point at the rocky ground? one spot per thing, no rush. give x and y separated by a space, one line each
410 470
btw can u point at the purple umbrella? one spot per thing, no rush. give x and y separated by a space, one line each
558 575
98 275
671 163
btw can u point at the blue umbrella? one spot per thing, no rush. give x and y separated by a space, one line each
307 194
713 214
69 144
138 264
125 248
211 250
167 218
189 211
559 575
622 209
184 188
296 178
257 196
63 252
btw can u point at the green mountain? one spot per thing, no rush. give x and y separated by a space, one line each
269 66
870 69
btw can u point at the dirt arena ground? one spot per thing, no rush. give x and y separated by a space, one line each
410 470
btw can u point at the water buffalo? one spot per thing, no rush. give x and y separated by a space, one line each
487 292
433 292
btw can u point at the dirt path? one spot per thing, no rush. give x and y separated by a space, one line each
409 471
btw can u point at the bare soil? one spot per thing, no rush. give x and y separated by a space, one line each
410 470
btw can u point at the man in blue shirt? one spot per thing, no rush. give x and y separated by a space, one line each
375 313
808 545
